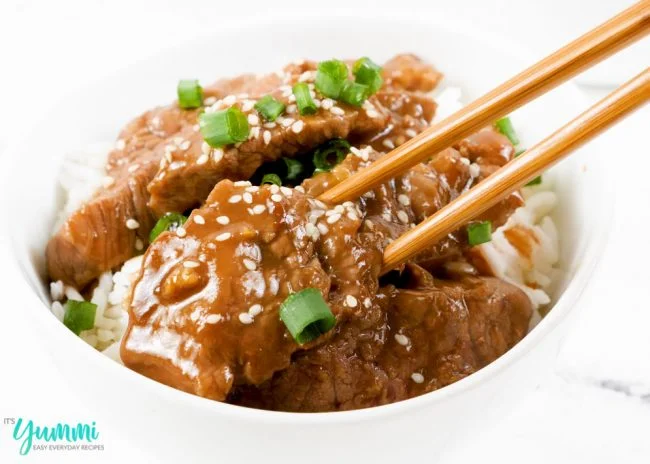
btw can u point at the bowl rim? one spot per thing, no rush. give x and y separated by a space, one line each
560 311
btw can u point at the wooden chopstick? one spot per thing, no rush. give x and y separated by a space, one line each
519 171
615 34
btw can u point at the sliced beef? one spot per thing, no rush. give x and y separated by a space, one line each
204 310
414 340
161 163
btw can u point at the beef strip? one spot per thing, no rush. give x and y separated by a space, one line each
439 330
161 163
395 206
204 310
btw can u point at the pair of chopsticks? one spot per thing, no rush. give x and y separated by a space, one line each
596 45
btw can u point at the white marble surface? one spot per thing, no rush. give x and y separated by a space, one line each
594 408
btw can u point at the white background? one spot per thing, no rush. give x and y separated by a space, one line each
595 408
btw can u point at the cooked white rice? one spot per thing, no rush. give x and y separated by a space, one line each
83 172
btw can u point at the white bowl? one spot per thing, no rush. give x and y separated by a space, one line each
177 426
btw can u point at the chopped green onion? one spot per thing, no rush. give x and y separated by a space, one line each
294 168
170 221
330 154
224 127
304 101
368 73
271 179
504 125
79 315
331 77
479 232
306 315
190 94
269 107
536 181
354 94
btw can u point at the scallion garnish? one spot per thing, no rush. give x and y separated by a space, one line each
330 154
536 181
271 179
269 107
304 101
479 232
330 77
170 221
190 94
354 94
306 315
504 125
79 315
294 168
224 127
368 73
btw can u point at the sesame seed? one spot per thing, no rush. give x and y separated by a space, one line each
223 220
411 132
202 159
185 145
322 228
255 310
276 198
253 119
369 224
311 229
213 318
217 155
248 105
181 232
199 219
297 127
139 245
417 377
351 301
404 200
132 224
255 133
327 103
286 190
190 264
474 170
333 218
248 198
291 109
337 111
402 216
386 216
234 199
258 209
249 264
367 302
242 183
465 161
230 99
245 318
402 339
372 114
267 137
274 188
252 188
339 209
286 122
269 125
352 216
388 143
224 236
299 188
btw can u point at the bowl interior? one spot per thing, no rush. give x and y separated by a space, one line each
476 63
